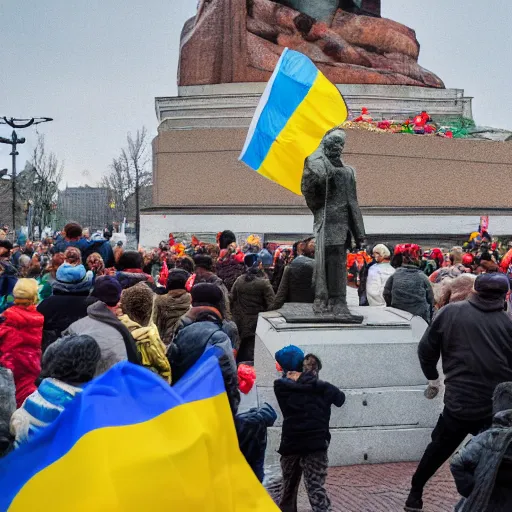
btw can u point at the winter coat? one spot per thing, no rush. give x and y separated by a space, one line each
378 274
21 334
41 408
474 339
7 408
87 247
306 407
409 289
297 283
60 310
251 429
203 276
456 290
251 294
229 270
447 273
150 347
168 311
200 329
115 341
483 469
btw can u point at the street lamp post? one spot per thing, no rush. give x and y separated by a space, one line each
14 141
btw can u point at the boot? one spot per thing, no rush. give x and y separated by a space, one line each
414 502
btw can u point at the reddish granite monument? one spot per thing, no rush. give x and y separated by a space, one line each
231 41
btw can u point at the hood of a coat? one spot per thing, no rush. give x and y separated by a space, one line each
140 333
503 419
487 305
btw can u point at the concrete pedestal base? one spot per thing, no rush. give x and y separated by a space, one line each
386 417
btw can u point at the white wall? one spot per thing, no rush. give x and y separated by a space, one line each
155 228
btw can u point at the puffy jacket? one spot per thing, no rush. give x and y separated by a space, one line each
21 334
60 310
306 407
297 283
410 290
474 340
250 296
196 334
378 275
483 469
229 270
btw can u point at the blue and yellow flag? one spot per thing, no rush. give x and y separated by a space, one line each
130 442
298 107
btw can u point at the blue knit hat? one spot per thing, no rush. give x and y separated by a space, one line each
266 258
290 358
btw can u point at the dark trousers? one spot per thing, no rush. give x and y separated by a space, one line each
336 272
246 350
314 467
446 438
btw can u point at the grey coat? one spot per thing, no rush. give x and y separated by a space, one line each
7 408
410 290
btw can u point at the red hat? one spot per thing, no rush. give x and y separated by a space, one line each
467 259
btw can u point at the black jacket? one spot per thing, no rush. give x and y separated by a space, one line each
306 407
474 339
297 283
60 310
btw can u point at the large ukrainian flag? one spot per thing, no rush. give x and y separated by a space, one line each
298 107
132 443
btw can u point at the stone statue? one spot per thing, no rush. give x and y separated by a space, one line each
231 41
329 187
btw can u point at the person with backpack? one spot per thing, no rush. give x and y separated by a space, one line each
137 306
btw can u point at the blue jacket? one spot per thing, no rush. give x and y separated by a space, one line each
87 247
251 428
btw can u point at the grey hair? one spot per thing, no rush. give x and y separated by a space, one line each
382 250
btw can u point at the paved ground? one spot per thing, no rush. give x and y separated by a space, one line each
383 488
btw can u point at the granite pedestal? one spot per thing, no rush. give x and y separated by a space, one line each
386 417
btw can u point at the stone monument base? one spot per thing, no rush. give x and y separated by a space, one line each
386 417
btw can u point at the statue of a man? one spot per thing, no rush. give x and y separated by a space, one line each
329 188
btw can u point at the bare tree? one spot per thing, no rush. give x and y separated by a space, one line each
128 174
44 173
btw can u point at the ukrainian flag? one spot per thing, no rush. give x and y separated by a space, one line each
130 442
298 107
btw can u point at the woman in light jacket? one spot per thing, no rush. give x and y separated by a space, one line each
378 274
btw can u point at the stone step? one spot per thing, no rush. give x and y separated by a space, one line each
377 407
364 445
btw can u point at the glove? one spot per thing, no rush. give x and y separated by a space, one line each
432 389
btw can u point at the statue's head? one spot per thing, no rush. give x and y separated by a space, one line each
334 142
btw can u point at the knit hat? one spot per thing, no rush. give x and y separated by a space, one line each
290 358
246 378
72 279
203 261
266 258
137 303
108 290
207 294
382 250
25 292
251 259
72 359
177 279
493 285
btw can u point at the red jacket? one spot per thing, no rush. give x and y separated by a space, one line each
21 333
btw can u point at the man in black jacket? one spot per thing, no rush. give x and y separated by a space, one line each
474 338
305 402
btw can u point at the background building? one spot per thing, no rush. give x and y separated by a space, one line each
89 206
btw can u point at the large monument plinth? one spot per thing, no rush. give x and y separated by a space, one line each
386 417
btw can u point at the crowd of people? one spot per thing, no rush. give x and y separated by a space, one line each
73 306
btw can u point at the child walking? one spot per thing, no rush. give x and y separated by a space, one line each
305 402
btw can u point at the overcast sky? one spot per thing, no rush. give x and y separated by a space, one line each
96 67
